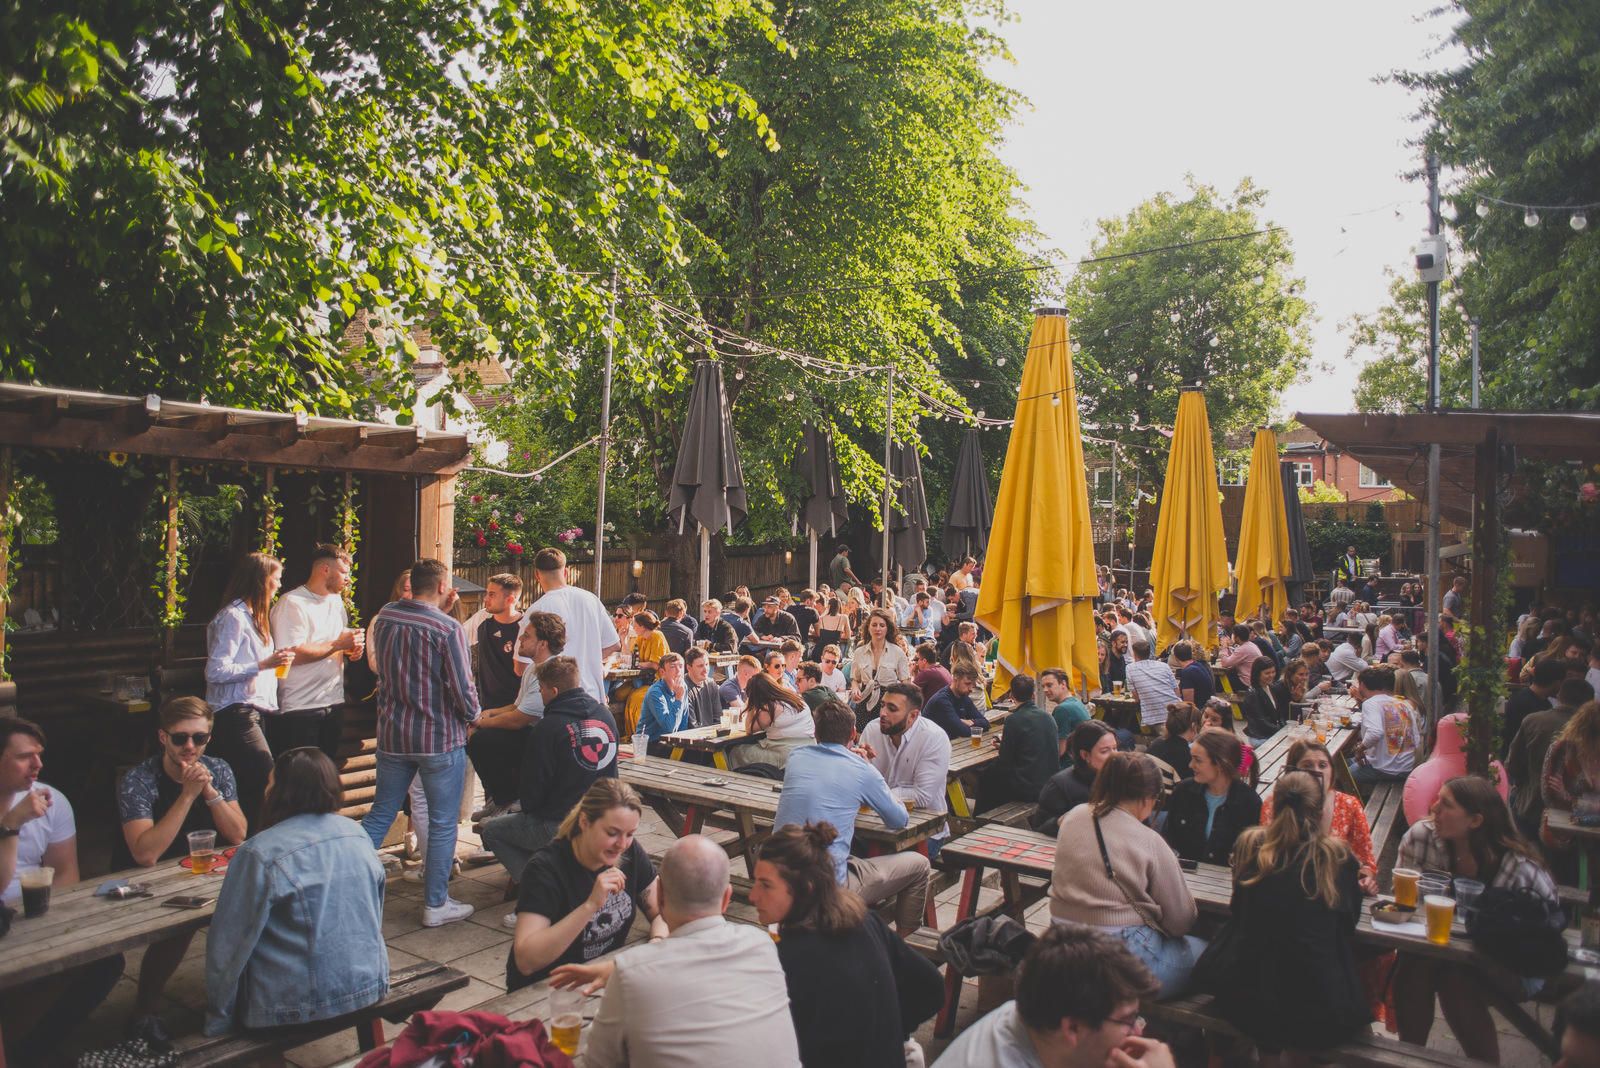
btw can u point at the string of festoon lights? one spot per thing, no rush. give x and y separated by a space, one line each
1577 214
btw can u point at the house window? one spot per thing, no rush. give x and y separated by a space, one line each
1232 472
1102 487
1370 479
1303 475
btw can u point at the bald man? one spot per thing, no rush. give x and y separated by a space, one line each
712 993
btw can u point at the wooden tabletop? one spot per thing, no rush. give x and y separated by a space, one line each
694 785
709 739
1562 821
80 927
966 758
1273 755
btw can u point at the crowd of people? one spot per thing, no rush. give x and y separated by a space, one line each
857 694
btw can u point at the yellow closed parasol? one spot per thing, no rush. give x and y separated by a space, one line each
1190 563
1262 562
1039 584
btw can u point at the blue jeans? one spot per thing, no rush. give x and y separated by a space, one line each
444 776
1170 959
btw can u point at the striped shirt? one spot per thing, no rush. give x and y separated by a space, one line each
425 695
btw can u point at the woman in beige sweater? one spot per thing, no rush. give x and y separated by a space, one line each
1117 875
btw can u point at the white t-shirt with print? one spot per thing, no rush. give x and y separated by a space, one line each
298 617
55 826
1389 733
589 630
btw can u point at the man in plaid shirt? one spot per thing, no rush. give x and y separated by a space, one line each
426 699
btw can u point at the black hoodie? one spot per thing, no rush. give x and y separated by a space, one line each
566 751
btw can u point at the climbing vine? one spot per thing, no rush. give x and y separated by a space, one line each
271 516
172 568
349 534
1481 674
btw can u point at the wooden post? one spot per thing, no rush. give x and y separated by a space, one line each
269 511
170 599
436 518
1485 646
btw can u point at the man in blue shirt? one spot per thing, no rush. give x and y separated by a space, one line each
952 708
828 783
666 706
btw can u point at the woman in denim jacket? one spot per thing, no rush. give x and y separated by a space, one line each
297 934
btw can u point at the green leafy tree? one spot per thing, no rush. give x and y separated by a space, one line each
199 199
1392 343
1517 121
1221 312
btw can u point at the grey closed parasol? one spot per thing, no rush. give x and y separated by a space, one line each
707 481
966 523
1301 569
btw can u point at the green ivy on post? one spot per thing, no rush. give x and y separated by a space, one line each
349 535
271 515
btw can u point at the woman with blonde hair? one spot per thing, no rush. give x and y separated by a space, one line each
578 895
1288 979
241 675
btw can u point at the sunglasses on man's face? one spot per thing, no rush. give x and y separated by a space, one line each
179 739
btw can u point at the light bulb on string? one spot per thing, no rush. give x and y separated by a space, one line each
1579 221
1258 280
1176 317
1000 361
1133 376
1530 218
739 375
1055 400
1215 342
1483 209
980 413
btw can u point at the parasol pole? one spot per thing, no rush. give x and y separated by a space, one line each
605 440
888 476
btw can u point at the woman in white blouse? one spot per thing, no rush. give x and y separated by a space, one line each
877 662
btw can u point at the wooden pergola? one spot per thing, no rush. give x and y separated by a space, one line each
1480 455
406 493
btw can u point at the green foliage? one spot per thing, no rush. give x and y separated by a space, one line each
347 524
1241 331
1319 492
1393 345
1481 675
1328 538
1517 121
200 200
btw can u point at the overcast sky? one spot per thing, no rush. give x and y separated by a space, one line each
1129 97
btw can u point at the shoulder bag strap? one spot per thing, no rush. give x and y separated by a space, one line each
1105 858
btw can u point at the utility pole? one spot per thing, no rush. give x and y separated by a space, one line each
1111 527
888 473
1434 600
1474 323
605 439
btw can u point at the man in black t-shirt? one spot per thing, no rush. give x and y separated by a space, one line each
804 612
496 641
678 631
774 623
500 732
1195 681
574 744
1534 697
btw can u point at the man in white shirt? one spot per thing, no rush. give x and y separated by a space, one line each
832 677
1345 662
312 620
1389 729
591 636
911 753
711 993
37 829
1153 683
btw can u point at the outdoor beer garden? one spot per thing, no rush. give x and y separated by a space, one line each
609 535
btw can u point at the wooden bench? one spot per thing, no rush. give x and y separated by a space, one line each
1011 814
1385 808
1381 1052
411 989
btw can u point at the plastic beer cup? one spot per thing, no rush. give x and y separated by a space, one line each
202 851
566 1019
35 884
1441 912
1405 887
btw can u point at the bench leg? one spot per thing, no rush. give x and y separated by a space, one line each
677 754
747 839
1011 888
693 818
959 805
720 759
1522 1020
930 907
369 1034
945 1025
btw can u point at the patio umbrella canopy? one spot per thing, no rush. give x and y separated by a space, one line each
1262 562
966 523
1300 567
1190 562
1039 580
707 481
908 521
825 507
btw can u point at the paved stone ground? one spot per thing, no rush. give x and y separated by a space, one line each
480 946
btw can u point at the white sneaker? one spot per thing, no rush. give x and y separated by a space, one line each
509 920
451 911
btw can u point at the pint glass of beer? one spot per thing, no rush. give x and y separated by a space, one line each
36 884
202 851
1441 912
566 1019
1405 887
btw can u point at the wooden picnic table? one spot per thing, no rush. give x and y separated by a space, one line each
1272 756
967 762
1015 853
702 790
81 928
1119 710
714 740
1588 839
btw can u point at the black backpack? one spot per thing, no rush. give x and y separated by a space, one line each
1520 930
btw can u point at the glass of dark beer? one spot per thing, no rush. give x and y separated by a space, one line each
36 890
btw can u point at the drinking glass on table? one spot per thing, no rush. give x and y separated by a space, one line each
566 1018
1441 913
1405 887
36 884
202 851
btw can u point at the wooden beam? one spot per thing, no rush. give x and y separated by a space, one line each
349 436
250 443
47 410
